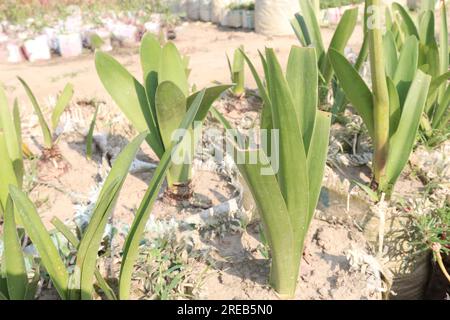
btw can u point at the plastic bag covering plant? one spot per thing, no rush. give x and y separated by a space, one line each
392 110
287 199
11 157
307 30
62 102
237 72
157 105
78 284
431 57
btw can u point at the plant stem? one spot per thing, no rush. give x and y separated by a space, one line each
380 95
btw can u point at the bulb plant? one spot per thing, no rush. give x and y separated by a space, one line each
431 57
78 282
237 72
287 197
307 29
61 104
159 104
393 109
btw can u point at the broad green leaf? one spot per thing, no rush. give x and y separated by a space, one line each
340 38
313 28
395 110
89 244
277 222
40 237
16 272
407 66
61 104
436 84
292 154
355 88
48 140
8 125
317 157
426 28
402 140
129 95
301 73
18 165
131 246
390 53
170 110
407 21
7 174
443 45
172 68
150 54
296 24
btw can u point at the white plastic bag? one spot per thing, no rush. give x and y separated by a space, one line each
218 9
205 10
193 9
273 17
232 19
37 48
70 45
248 19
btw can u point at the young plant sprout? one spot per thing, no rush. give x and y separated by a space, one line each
392 110
287 197
61 104
237 72
159 104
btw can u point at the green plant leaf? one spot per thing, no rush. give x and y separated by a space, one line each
302 61
40 237
131 246
407 21
89 244
407 66
355 88
426 28
150 54
7 174
316 159
211 94
130 96
390 53
48 140
292 154
90 135
172 68
313 28
16 272
395 110
402 140
61 104
12 137
340 39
